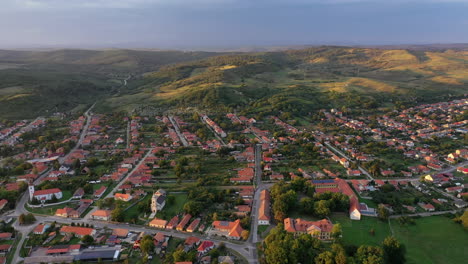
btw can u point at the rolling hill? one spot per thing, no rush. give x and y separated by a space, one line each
301 81
297 81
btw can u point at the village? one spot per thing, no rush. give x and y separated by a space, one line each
205 188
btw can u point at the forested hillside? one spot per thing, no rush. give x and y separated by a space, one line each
296 81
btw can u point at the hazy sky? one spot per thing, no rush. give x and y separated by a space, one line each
229 23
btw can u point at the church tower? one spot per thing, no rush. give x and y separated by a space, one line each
31 191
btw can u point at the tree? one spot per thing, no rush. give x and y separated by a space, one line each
369 255
321 208
307 205
87 240
22 219
29 219
394 251
336 231
245 234
193 207
325 257
118 214
146 244
382 212
463 219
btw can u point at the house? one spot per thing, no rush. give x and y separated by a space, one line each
321 229
353 172
183 222
5 236
173 222
158 200
63 249
264 208
99 192
192 227
158 223
410 208
104 215
123 197
190 243
231 230
160 240
67 212
434 166
78 193
5 248
205 247
44 195
40 229
428 207
3 202
78 231
120 232
454 189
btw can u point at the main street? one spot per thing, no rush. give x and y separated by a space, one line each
111 193
177 129
82 135
346 157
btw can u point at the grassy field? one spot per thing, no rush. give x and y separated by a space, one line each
433 240
170 210
358 232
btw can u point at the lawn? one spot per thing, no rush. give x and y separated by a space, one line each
435 239
132 214
170 210
49 210
358 232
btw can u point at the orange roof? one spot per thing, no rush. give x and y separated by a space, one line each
264 209
191 240
101 213
120 232
39 228
158 222
82 231
122 196
47 191
300 225
234 229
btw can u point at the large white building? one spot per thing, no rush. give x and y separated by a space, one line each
44 195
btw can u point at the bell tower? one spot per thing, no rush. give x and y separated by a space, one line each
31 191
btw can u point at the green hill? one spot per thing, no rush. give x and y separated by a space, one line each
301 81
297 81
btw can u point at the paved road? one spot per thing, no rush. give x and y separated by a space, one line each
258 188
220 139
427 213
82 135
245 249
111 193
128 134
346 157
177 129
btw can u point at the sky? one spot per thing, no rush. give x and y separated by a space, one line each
199 24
